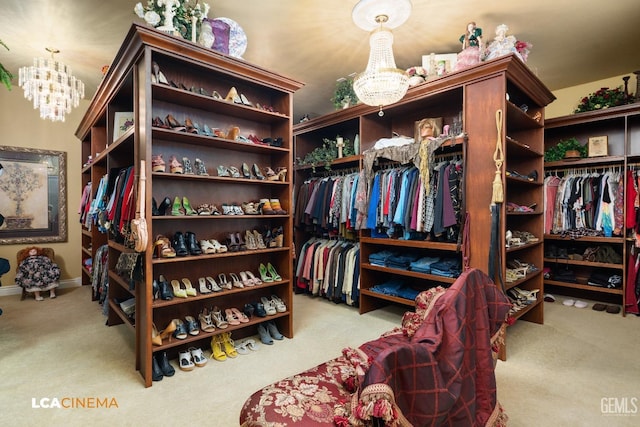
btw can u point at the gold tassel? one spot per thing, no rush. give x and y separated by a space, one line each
498 158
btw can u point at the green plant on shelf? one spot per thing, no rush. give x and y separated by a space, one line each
558 151
326 153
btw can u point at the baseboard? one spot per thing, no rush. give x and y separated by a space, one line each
17 290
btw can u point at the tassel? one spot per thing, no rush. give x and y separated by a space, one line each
498 158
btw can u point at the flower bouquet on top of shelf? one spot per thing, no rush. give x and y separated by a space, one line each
174 16
604 98
416 75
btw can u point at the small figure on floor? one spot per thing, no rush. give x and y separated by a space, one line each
471 47
38 273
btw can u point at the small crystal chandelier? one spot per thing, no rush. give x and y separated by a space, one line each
51 86
382 83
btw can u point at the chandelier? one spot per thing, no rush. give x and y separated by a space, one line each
382 83
51 87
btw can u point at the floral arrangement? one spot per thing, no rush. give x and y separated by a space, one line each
344 94
325 154
5 75
416 75
523 49
155 10
604 98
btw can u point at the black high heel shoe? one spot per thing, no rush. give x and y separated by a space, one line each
245 171
154 207
180 245
192 244
162 208
164 289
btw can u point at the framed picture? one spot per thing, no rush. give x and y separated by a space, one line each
443 63
33 191
598 146
122 121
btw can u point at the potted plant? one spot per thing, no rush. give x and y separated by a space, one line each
344 95
570 148
604 98
5 75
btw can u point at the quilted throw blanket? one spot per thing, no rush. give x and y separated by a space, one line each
438 369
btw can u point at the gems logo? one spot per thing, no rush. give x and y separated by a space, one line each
619 406
74 403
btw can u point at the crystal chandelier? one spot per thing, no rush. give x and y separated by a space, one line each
382 83
51 87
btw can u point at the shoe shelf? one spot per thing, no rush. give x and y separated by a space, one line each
133 85
424 244
115 312
563 261
376 300
593 239
585 287
518 282
158 303
518 248
206 336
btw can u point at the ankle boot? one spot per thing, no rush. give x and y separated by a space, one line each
156 374
192 244
180 245
186 163
163 363
164 205
164 289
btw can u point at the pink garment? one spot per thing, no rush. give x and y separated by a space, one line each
631 200
550 191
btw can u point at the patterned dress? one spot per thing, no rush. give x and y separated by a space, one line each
38 273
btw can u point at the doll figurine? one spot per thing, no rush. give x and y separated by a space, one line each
38 273
472 46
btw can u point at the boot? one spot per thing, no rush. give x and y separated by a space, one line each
154 207
156 374
192 244
180 245
163 363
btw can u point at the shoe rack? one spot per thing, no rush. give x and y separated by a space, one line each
176 91
621 127
475 94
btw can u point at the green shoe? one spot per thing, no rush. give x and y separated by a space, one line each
272 271
187 207
176 209
263 273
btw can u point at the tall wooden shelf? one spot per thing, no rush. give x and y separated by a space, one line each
621 126
504 84
129 86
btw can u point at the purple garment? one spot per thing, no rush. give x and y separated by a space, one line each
448 213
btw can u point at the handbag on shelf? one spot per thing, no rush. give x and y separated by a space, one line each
129 267
139 230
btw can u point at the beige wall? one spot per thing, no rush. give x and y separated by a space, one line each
21 126
568 99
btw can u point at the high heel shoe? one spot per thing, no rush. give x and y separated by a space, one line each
231 318
241 243
202 283
256 171
258 239
236 281
175 125
175 166
232 243
212 283
179 244
160 78
162 208
168 331
277 208
245 171
200 168
227 344
192 243
216 315
272 271
233 133
176 209
177 290
222 280
270 174
187 168
264 275
155 335
188 210
253 278
157 163
251 241
245 279
282 174
189 289
265 207
232 96
164 289
206 323
163 248
216 349
191 127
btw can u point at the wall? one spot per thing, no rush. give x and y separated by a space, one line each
568 99
21 126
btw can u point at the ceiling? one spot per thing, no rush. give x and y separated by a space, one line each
316 42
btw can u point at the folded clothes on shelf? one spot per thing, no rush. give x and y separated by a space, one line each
447 267
423 265
401 261
396 288
380 258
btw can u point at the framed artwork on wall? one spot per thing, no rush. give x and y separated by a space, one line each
598 146
122 121
33 195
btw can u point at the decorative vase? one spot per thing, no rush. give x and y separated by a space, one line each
356 144
571 155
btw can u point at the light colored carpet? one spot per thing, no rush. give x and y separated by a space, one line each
556 374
